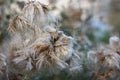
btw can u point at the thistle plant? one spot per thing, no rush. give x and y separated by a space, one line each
105 62
36 42
38 48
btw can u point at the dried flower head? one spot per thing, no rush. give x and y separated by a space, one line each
36 13
106 59
45 52
38 48
108 55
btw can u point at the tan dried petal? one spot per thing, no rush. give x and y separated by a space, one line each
17 24
12 27
40 61
62 52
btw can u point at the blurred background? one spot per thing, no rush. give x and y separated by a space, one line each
84 15
89 22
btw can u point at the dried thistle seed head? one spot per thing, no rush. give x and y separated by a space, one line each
37 48
44 51
107 58
112 59
2 63
36 13
34 18
114 42
36 8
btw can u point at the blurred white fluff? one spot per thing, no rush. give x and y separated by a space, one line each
45 2
114 42
91 57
